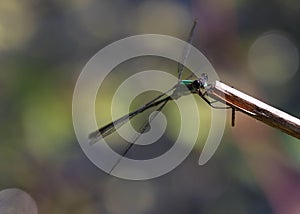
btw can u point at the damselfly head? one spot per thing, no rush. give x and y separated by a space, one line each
203 80
200 83
196 85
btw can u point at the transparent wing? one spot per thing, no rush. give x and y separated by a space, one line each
186 51
143 128
180 67
113 126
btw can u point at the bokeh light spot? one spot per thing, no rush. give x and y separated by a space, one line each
273 58
17 24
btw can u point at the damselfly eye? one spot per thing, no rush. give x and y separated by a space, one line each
203 80
196 85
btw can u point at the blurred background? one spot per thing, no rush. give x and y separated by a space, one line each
253 46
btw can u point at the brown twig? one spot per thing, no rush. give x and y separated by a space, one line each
255 108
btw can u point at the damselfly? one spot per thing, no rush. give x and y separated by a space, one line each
181 88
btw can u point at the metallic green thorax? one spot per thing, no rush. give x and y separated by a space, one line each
186 82
185 87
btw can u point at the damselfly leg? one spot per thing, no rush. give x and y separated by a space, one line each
202 84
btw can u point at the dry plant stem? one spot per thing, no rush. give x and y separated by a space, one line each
255 108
